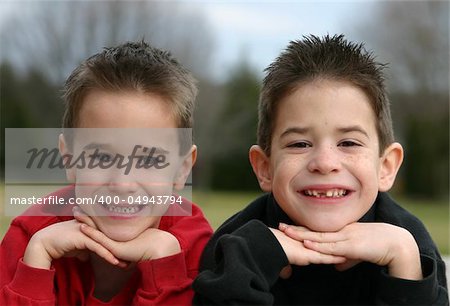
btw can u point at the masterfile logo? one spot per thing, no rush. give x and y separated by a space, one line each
122 168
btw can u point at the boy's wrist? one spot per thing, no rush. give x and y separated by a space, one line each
406 263
165 247
36 255
281 237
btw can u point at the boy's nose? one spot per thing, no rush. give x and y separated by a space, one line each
324 160
123 184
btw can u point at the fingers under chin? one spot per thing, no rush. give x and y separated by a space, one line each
102 252
82 217
89 231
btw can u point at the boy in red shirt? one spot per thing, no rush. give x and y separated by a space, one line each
117 254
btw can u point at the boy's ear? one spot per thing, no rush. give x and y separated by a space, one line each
261 167
185 168
66 156
390 163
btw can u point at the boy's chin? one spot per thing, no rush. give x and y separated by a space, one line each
326 226
123 232
121 236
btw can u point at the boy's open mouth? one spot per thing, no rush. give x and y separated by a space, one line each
329 193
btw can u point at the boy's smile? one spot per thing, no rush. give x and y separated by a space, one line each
324 165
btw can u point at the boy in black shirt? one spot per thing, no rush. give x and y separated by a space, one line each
326 232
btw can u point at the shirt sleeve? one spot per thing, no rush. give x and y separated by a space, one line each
20 283
168 280
428 291
247 262
164 281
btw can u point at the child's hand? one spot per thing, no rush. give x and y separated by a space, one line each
150 244
82 217
62 239
379 243
298 255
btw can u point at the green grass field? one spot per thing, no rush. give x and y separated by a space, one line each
218 206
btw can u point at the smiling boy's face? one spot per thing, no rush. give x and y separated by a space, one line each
324 169
123 124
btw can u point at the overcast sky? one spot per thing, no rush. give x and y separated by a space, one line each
259 30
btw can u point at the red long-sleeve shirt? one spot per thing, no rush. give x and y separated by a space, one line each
164 281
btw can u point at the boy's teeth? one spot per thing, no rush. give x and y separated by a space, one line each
331 193
122 210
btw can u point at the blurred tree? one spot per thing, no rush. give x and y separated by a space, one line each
43 41
26 101
53 37
414 38
15 112
206 124
236 130
427 156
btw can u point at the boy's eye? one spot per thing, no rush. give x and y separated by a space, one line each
299 144
104 157
348 143
148 161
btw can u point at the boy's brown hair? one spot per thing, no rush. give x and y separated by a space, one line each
132 66
332 58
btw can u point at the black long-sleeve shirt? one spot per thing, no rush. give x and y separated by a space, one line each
242 261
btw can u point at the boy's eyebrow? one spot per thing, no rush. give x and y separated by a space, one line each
353 128
106 146
345 129
158 150
96 145
295 130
